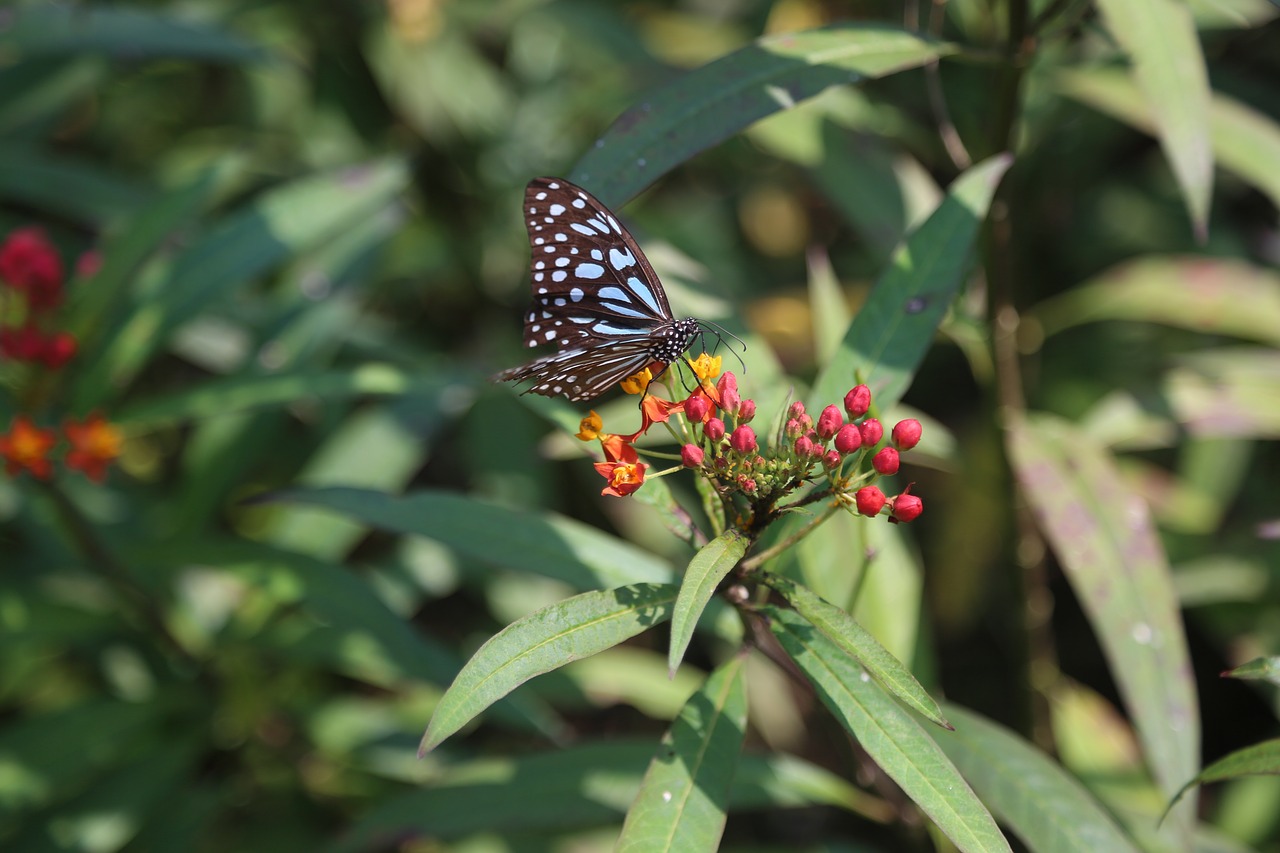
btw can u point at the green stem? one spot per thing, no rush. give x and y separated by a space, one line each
753 563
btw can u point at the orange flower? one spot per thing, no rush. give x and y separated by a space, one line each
637 383
26 446
617 448
624 477
94 444
589 427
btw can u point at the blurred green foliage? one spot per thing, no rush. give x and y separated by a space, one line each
313 254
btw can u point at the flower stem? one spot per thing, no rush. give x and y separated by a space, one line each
753 563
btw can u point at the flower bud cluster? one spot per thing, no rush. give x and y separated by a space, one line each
728 450
31 271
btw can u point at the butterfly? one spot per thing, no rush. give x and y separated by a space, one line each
595 296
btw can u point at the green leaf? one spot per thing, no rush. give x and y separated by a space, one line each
1258 669
1227 393
564 632
1028 791
1219 296
585 785
132 34
845 632
888 733
279 225
827 306
1168 67
1261 759
546 544
891 333
81 191
1103 536
685 793
710 104
707 568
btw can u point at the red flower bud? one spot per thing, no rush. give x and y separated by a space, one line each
857 401
906 507
872 431
906 434
714 429
870 500
728 382
25 344
691 455
848 439
806 423
746 411
697 407
795 410
743 439
831 459
28 261
886 461
829 422
58 350
804 447
793 428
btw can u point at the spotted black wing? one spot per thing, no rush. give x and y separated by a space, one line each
590 281
582 373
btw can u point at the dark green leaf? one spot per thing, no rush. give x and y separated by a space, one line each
707 568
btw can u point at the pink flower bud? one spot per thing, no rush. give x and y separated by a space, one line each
696 408
728 382
870 500
831 459
806 423
829 422
714 429
795 410
729 399
746 411
906 434
848 439
906 507
691 455
872 431
743 439
886 461
857 401
793 428
804 447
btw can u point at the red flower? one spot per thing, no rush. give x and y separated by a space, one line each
906 507
872 431
906 433
617 448
870 500
691 455
714 429
848 439
26 447
743 439
29 262
94 444
58 349
624 477
829 422
886 461
857 401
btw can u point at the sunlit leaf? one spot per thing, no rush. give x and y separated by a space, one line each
1260 759
891 333
1103 536
1258 669
707 568
564 632
1161 40
685 793
888 733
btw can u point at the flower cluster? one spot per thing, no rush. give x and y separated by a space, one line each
91 445
32 287
719 441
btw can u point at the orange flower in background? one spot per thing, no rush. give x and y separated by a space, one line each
26 447
94 445
589 427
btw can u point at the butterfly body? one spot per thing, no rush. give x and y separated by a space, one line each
595 296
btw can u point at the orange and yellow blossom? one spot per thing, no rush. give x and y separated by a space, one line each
95 443
26 447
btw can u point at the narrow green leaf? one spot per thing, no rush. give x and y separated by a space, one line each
1028 791
888 733
1261 759
1219 296
546 544
1103 536
887 340
1227 392
82 191
710 104
1245 141
564 632
132 34
685 793
251 392
1161 40
1258 669
707 568
584 785
843 630
279 225
827 305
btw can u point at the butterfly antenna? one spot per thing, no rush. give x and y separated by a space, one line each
721 332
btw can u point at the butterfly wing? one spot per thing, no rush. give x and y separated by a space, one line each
590 281
582 373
